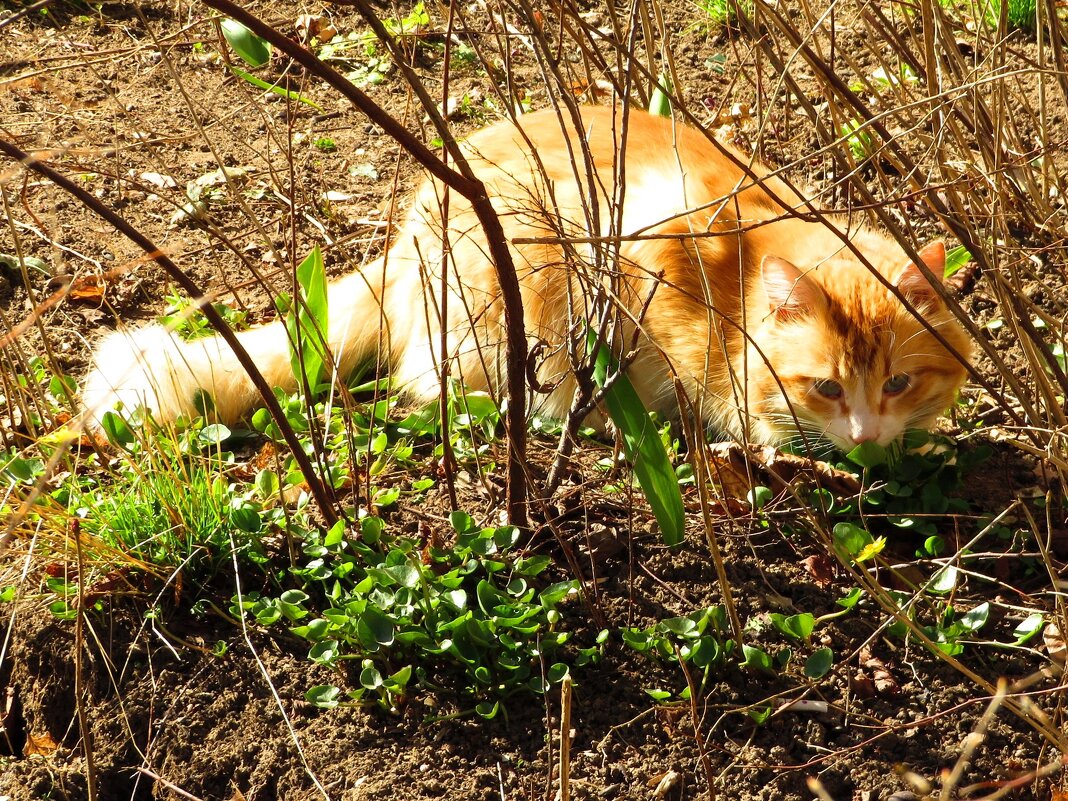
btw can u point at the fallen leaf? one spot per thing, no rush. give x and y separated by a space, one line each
862 686
666 783
1054 642
219 176
882 678
309 25
600 544
193 210
117 582
962 282
87 289
821 568
40 745
24 86
61 570
159 180
738 468
669 717
594 90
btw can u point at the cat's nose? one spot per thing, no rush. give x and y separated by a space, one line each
863 429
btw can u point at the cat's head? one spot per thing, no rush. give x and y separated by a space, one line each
839 357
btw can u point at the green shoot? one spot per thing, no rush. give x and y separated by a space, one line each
643 447
252 49
307 323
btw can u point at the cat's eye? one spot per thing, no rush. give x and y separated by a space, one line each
895 384
829 389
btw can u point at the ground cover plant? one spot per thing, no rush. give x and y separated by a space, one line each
351 597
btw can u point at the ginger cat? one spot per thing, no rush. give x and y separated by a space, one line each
772 325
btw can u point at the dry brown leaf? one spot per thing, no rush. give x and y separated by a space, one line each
862 686
664 783
669 717
40 745
962 282
309 25
87 289
1054 641
738 468
24 86
821 568
882 678
267 457
117 582
595 90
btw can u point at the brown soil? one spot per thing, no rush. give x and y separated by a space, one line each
116 93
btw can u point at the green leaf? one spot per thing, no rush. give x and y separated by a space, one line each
760 715
798 627
817 665
371 529
274 88
934 546
25 470
246 518
488 710
557 672
638 639
706 652
643 446
370 678
658 695
759 497
944 580
267 484
214 434
404 575
1031 626
380 627
660 102
315 630
955 259
336 535
308 322
756 659
851 599
461 522
400 679
868 454
850 539
555 593
253 50
975 619
324 696
62 611
325 652
681 626
384 498
118 432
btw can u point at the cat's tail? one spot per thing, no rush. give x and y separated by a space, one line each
154 368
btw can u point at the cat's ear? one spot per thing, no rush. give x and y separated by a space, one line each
791 293
914 284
